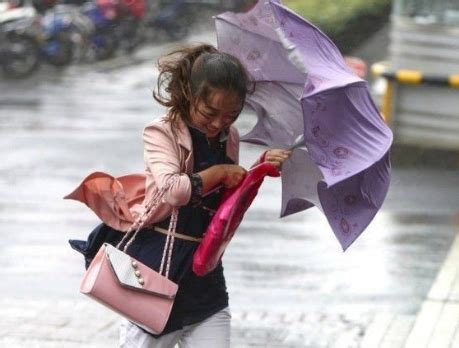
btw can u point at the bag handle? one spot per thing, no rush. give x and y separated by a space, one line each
140 222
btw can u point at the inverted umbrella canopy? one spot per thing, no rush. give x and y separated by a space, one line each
306 98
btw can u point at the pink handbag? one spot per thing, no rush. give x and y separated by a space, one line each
226 220
127 286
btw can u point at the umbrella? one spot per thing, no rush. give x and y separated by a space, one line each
307 99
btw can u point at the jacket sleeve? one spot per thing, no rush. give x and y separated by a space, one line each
162 158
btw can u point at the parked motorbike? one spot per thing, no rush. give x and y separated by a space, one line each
58 32
102 41
117 25
19 47
82 29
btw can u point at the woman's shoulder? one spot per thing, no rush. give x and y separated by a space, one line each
158 131
162 129
160 123
165 123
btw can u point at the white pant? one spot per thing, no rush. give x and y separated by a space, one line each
213 332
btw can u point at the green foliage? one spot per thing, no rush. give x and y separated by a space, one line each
334 14
338 17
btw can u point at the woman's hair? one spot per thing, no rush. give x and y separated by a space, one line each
191 74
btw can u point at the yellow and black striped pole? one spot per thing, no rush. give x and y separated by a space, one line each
415 77
408 77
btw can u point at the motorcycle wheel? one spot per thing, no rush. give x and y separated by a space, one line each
23 57
58 50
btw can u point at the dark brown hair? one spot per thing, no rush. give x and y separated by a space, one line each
190 74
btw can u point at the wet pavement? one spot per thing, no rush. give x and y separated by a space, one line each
290 284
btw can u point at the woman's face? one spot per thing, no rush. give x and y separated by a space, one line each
218 112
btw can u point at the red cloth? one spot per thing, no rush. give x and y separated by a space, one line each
226 220
111 198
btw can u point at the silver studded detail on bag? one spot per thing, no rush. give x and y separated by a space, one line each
125 269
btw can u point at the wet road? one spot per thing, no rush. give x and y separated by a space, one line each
58 127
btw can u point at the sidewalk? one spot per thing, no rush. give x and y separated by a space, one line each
437 323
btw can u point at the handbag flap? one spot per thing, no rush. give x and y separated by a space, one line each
137 276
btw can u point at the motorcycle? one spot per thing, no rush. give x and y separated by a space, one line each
65 31
117 25
19 47
57 30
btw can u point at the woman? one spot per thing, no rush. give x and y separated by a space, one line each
204 91
197 146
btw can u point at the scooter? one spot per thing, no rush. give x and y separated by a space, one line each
19 47
57 30
117 25
103 44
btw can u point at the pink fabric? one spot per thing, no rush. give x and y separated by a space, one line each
119 201
233 206
151 312
111 198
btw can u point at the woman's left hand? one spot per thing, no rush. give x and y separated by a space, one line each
277 157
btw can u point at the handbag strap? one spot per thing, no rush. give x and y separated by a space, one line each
169 242
140 222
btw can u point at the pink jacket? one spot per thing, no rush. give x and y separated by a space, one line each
119 201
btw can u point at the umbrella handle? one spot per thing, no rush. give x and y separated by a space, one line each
299 141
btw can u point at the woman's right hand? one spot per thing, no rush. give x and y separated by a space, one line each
232 175
228 175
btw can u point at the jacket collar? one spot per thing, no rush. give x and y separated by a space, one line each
184 139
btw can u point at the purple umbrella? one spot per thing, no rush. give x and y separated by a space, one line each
306 98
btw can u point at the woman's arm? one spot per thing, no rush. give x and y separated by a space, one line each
162 158
231 175
163 162
228 175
